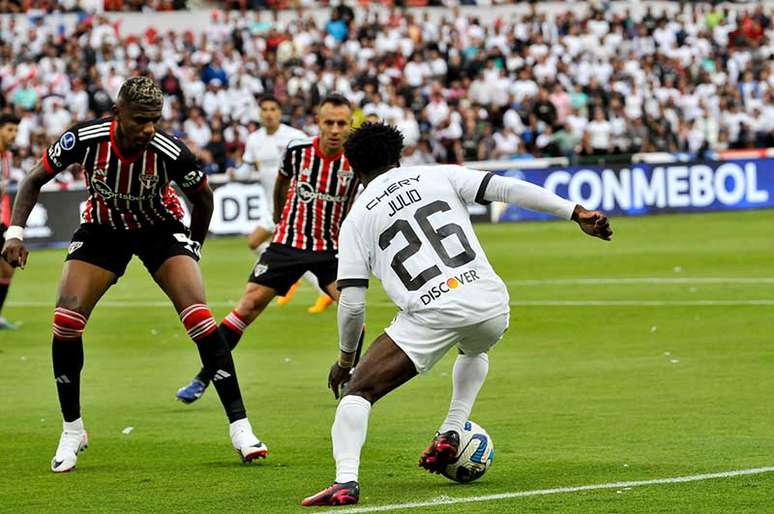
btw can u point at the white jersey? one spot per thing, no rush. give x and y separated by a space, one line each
410 227
264 151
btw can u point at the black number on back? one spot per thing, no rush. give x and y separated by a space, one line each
435 236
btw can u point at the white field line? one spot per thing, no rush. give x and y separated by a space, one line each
445 500
120 304
640 280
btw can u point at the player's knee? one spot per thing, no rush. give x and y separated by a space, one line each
368 393
198 321
68 324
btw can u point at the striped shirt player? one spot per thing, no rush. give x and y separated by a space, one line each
315 190
130 196
8 128
126 192
129 165
321 192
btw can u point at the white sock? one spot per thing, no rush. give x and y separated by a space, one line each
239 425
349 434
73 426
467 378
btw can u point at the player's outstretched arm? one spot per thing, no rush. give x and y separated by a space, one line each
14 251
536 198
351 316
201 213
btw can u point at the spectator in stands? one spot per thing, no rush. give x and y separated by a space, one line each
459 87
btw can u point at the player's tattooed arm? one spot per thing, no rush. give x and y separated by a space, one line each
14 251
280 194
201 213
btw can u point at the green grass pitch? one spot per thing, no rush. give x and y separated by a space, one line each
617 380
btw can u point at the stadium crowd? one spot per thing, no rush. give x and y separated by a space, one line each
459 90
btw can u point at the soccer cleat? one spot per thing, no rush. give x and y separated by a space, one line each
347 493
442 450
70 444
245 443
7 325
284 300
192 391
322 303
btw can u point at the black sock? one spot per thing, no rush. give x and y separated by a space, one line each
67 355
232 339
3 294
218 365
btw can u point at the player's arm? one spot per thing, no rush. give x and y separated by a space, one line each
533 197
62 153
202 205
193 182
14 251
352 281
351 318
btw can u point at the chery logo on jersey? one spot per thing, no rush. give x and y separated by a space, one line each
449 284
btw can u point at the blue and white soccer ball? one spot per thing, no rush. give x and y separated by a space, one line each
474 457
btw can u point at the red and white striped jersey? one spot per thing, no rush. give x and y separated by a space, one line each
126 192
321 193
5 198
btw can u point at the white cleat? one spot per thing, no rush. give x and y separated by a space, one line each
74 439
245 443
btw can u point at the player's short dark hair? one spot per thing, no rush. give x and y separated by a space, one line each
373 147
336 99
269 98
141 91
9 118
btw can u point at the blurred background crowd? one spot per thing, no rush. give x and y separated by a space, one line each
519 86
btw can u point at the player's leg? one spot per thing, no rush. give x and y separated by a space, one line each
470 371
324 300
181 280
81 286
253 302
285 298
383 368
275 272
6 274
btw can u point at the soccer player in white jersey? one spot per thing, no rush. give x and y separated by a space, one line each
263 153
410 227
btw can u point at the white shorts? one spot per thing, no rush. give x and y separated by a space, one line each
425 346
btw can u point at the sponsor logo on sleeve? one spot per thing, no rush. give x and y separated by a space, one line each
191 179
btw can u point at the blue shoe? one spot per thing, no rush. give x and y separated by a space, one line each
192 391
7 325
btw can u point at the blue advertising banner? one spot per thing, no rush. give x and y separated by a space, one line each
639 189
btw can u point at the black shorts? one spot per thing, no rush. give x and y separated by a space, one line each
113 249
3 228
281 266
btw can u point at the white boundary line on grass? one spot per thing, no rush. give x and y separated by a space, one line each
445 500
639 280
123 304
